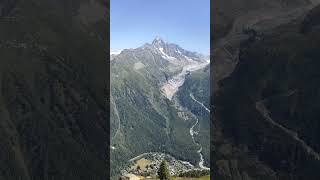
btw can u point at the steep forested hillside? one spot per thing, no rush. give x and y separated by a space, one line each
194 95
53 113
266 111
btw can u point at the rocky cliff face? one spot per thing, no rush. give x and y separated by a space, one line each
266 109
53 114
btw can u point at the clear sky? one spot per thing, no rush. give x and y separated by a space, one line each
184 22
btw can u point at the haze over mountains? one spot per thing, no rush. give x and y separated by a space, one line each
145 112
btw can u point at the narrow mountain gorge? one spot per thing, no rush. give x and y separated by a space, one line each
53 114
265 118
194 95
145 116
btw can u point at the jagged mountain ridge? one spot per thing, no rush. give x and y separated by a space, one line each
168 51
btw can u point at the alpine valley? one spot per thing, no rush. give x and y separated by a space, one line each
265 95
159 110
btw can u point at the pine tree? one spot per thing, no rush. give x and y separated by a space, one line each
163 172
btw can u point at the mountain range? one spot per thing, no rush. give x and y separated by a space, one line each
145 112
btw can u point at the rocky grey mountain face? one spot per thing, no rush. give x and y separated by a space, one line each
265 119
53 112
143 118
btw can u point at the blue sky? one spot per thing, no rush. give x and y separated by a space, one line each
184 22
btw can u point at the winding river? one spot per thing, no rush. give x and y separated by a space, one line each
171 87
193 133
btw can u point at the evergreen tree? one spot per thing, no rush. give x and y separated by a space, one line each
163 172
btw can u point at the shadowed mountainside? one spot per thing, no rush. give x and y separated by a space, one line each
53 111
265 118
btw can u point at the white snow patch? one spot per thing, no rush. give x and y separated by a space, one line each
188 59
172 86
164 55
115 52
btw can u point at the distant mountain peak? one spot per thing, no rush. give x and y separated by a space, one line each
170 52
158 41
158 38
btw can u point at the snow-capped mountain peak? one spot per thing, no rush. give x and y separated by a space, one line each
158 42
174 53
162 50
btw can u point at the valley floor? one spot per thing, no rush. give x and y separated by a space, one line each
135 177
187 178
